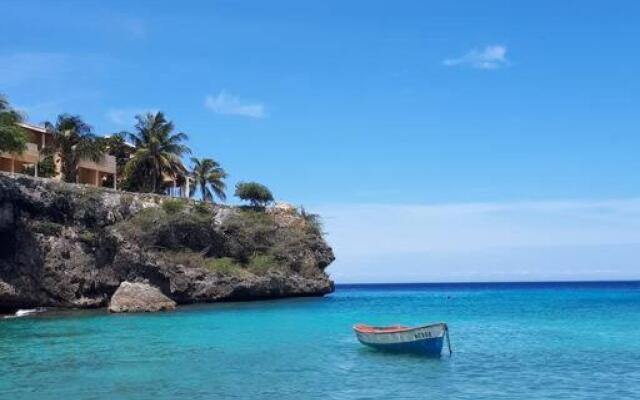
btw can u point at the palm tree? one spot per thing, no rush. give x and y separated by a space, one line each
117 146
73 140
13 139
209 176
158 153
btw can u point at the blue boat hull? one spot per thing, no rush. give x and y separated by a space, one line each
424 340
428 347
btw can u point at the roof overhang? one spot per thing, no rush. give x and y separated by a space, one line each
36 128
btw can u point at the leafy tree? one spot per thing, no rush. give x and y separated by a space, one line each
47 167
255 193
73 140
158 153
209 176
13 138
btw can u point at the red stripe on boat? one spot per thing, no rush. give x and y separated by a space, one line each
380 329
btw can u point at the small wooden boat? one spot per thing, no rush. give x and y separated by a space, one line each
427 340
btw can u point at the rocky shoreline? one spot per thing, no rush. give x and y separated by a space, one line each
72 246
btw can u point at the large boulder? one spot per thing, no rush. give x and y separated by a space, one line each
139 297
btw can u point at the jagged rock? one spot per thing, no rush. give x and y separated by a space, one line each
139 297
65 245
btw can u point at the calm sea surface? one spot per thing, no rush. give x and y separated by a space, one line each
510 341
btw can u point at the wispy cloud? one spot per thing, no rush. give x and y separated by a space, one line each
126 116
228 104
491 57
135 28
546 240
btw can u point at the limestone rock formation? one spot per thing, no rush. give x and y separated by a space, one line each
139 297
65 245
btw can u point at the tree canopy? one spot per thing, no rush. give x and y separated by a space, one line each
151 163
73 140
209 176
257 194
158 152
13 138
117 146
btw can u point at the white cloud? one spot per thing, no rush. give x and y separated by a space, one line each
485 241
491 57
225 103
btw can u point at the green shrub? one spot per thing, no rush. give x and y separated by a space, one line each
224 266
313 222
260 264
203 208
148 217
155 227
48 228
193 231
139 227
187 258
246 241
126 200
248 232
47 167
87 237
13 138
255 193
173 206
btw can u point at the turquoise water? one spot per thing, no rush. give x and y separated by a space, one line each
545 341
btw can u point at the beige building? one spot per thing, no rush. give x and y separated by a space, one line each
102 173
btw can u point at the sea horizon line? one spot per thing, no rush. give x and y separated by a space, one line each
496 283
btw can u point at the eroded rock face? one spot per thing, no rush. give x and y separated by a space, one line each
139 297
64 245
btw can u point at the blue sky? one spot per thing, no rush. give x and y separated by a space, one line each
516 122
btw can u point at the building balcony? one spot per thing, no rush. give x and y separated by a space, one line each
30 155
107 164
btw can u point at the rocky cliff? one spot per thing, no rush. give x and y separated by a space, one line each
64 245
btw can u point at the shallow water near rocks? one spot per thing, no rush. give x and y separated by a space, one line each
510 341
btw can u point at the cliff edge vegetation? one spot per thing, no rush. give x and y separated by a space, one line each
66 245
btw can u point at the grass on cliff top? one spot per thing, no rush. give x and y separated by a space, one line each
173 206
144 221
172 227
226 266
245 241
254 233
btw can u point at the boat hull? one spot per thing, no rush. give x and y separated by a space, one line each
425 340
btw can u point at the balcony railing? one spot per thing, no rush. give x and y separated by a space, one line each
32 155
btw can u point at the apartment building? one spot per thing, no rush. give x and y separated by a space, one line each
101 173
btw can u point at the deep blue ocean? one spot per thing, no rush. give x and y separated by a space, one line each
510 341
